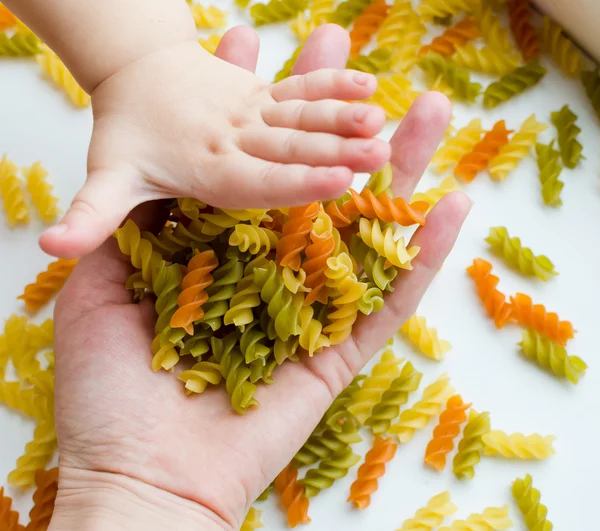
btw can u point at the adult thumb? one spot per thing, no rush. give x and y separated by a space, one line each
95 213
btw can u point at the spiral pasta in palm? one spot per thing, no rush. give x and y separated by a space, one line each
518 256
519 146
387 243
47 284
295 233
432 515
41 192
419 415
11 192
470 446
552 356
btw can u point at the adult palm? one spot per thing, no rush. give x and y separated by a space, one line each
114 416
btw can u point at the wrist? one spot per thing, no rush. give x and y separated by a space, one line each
98 501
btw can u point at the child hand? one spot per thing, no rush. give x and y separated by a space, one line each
181 123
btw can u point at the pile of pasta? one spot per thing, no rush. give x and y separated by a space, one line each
243 291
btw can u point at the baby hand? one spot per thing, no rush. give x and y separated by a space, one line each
182 123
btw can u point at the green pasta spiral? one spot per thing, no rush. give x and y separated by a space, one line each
457 79
388 408
371 300
379 60
279 300
591 83
276 11
528 499
166 287
235 372
374 265
568 131
19 45
286 350
550 169
552 356
347 11
329 471
471 445
381 181
513 83
221 291
521 258
251 343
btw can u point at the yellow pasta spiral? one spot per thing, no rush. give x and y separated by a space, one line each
518 147
443 8
58 72
395 95
391 33
252 520
486 60
560 47
311 336
433 195
491 29
405 55
432 515
208 17
418 416
253 239
11 191
211 43
426 339
200 375
518 446
303 26
24 400
387 243
491 519
276 11
37 454
41 192
375 385
457 146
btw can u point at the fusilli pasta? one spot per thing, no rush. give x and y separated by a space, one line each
46 482
458 35
524 33
11 192
486 60
528 499
433 195
517 445
491 519
513 83
9 519
293 498
565 122
458 146
208 16
41 192
561 49
425 338
493 300
328 472
470 446
432 515
19 45
457 79
47 284
276 11
367 24
387 243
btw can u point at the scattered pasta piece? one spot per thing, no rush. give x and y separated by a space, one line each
457 79
211 43
518 446
9 519
491 519
528 499
521 258
568 131
366 25
432 515
46 482
293 498
47 284
548 161
276 11
252 520
379 60
513 83
11 192
562 50
524 33
470 446
442 8
591 83
456 147
552 356
426 339
493 300
41 192
458 35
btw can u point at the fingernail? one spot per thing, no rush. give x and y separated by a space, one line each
57 230
368 146
361 78
360 115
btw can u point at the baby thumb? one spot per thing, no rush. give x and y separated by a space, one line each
95 213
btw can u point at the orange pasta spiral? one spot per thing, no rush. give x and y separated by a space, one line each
479 158
454 37
382 207
524 33
193 294
293 498
493 300
7 19
537 317
367 25
445 432
47 284
46 482
9 519
295 233
371 470
317 253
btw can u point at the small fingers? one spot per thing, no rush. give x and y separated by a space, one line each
257 183
326 83
289 146
326 116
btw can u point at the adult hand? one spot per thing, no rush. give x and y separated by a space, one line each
135 452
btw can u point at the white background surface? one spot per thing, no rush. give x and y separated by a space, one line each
38 123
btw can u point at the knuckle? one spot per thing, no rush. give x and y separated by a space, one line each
292 144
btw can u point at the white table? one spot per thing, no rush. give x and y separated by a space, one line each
37 123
